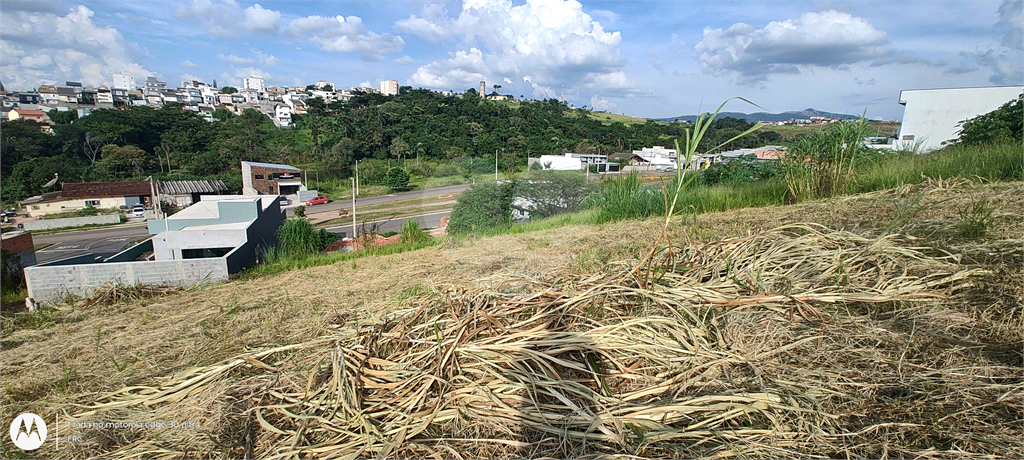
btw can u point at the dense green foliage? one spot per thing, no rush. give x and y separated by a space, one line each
484 206
742 169
1003 124
547 193
424 132
824 163
298 236
396 179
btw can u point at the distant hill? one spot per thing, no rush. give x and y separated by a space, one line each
763 116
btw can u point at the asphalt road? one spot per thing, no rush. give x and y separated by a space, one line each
102 242
369 201
106 242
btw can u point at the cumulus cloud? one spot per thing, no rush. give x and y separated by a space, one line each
1006 61
39 46
405 60
225 18
190 64
342 34
237 74
544 43
829 39
235 60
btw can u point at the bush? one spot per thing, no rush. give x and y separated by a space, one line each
412 233
547 193
447 170
739 170
484 206
626 198
1000 125
299 211
299 237
397 179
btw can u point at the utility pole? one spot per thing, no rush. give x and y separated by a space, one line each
357 177
353 209
495 165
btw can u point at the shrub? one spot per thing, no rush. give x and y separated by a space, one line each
298 237
1000 125
738 170
547 193
412 233
823 163
397 179
484 206
299 211
446 170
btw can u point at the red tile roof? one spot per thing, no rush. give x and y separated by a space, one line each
91 189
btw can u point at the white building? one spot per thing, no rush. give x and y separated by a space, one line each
389 87
658 156
931 115
282 115
254 83
564 162
122 81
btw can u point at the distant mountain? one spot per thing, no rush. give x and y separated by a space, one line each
763 116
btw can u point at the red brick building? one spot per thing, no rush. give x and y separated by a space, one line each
270 179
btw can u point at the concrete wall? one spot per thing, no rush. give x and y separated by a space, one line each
52 283
71 222
931 115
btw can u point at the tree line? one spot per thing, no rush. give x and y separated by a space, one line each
172 143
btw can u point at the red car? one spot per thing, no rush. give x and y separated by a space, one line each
318 200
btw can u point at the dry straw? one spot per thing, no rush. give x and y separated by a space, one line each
706 361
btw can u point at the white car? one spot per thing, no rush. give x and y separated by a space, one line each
139 210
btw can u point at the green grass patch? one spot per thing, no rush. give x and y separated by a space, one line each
283 263
991 162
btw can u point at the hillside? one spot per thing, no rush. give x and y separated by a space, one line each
937 374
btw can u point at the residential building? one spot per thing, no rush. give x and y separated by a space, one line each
123 81
932 116
153 86
74 196
389 87
323 84
657 156
282 115
22 114
254 83
270 179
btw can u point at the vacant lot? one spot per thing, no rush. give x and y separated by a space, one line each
883 326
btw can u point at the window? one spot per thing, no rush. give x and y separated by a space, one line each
92 202
259 177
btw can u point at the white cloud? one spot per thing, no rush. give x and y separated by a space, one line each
258 19
1007 61
552 42
828 39
600 103
404 60
265 59
345 35
225 18
42 47
190 64
238 74
235 60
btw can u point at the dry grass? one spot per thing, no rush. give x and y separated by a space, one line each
797 342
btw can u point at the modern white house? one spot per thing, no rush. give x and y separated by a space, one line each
932 116
658 156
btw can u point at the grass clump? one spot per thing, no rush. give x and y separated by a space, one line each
975 220
299 237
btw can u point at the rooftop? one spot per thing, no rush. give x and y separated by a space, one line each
269 165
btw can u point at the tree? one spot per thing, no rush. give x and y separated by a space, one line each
222 114
127 160
1003 124
547 193
228 90
397 179
62 118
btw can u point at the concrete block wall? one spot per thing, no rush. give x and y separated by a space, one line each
71 222
53 283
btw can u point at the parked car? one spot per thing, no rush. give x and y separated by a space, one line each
139 210
670 168
318 200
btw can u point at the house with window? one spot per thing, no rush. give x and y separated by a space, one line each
80 195
270 179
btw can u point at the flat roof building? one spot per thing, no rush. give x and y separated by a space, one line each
932 116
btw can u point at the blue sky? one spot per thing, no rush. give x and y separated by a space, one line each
647 59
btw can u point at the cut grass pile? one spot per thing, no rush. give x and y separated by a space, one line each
803 341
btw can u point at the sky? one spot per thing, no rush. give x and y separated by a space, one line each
639 58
